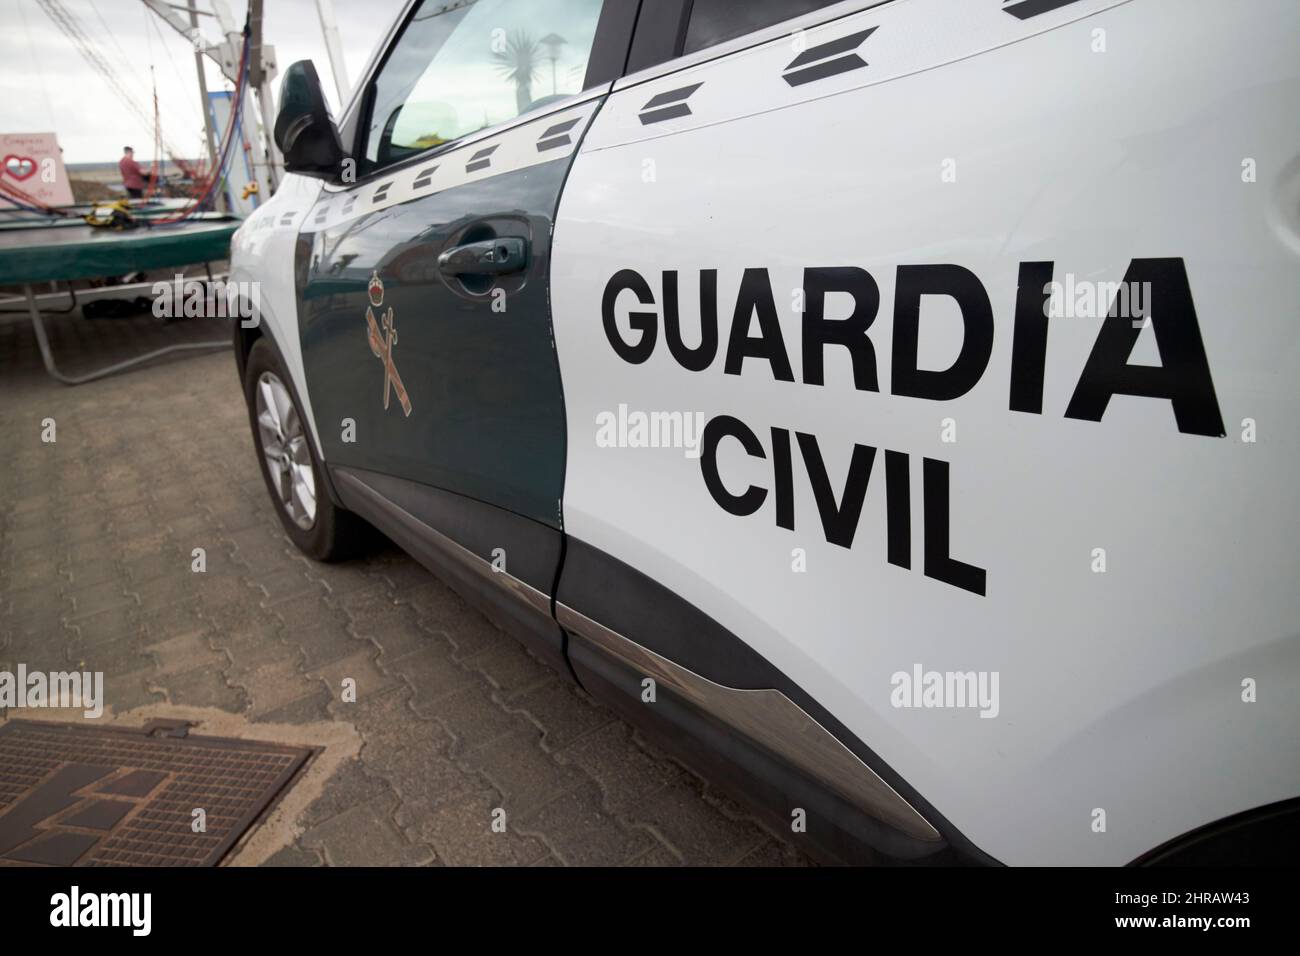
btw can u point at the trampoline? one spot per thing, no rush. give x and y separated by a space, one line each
62 251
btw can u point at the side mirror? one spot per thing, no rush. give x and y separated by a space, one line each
304 129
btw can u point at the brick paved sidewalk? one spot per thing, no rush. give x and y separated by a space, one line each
97 532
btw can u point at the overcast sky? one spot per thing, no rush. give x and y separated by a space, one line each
45 84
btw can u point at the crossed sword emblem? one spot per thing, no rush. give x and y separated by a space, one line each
381 344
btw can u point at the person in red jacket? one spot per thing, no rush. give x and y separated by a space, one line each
132 174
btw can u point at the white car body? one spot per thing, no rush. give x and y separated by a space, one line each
1139 602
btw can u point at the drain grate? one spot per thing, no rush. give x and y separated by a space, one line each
75 795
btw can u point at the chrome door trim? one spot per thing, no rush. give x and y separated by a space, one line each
769 718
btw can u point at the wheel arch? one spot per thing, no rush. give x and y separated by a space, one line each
246 335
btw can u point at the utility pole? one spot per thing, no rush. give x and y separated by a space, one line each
207 114
330 28
265 160
261 72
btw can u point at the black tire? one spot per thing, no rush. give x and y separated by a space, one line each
334 533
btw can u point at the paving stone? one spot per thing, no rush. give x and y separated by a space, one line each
192 530
431 676
625 771
113 657
310 709
129 517
699 832
229 604
461 832
269 687
324 642
384 622
44 646
38 604
186 652
364 836
441 610
27 539
657 855
525 775
161 623
99 597
581 833
110 625
127 690
772 853
204 687
256 550
509 667
39 573
455 718
361 669
254 645
295 856
162 593
395 644
103 551
350 786
471 717
287 583
560 711
338 578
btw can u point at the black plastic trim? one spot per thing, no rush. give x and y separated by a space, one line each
836 831
609 51
417 517
532 549
1265 836
630 603
660 33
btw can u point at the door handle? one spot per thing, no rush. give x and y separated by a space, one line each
491 257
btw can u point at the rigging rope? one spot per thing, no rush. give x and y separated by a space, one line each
234 127
89 50
157 140
204 187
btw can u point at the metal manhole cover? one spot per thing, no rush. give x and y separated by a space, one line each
74 795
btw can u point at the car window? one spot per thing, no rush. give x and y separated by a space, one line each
460 67
713 21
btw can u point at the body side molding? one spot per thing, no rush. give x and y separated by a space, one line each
771 719
513 604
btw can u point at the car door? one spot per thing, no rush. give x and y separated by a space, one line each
422 283
888 256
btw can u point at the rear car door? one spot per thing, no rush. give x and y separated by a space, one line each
422 283
891 257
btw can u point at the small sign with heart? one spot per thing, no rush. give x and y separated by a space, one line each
33 163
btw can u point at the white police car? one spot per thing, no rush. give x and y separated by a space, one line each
890 406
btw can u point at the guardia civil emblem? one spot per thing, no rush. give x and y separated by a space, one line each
383 341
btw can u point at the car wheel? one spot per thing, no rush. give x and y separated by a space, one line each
293 473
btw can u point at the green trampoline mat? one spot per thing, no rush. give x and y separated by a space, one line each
54 253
